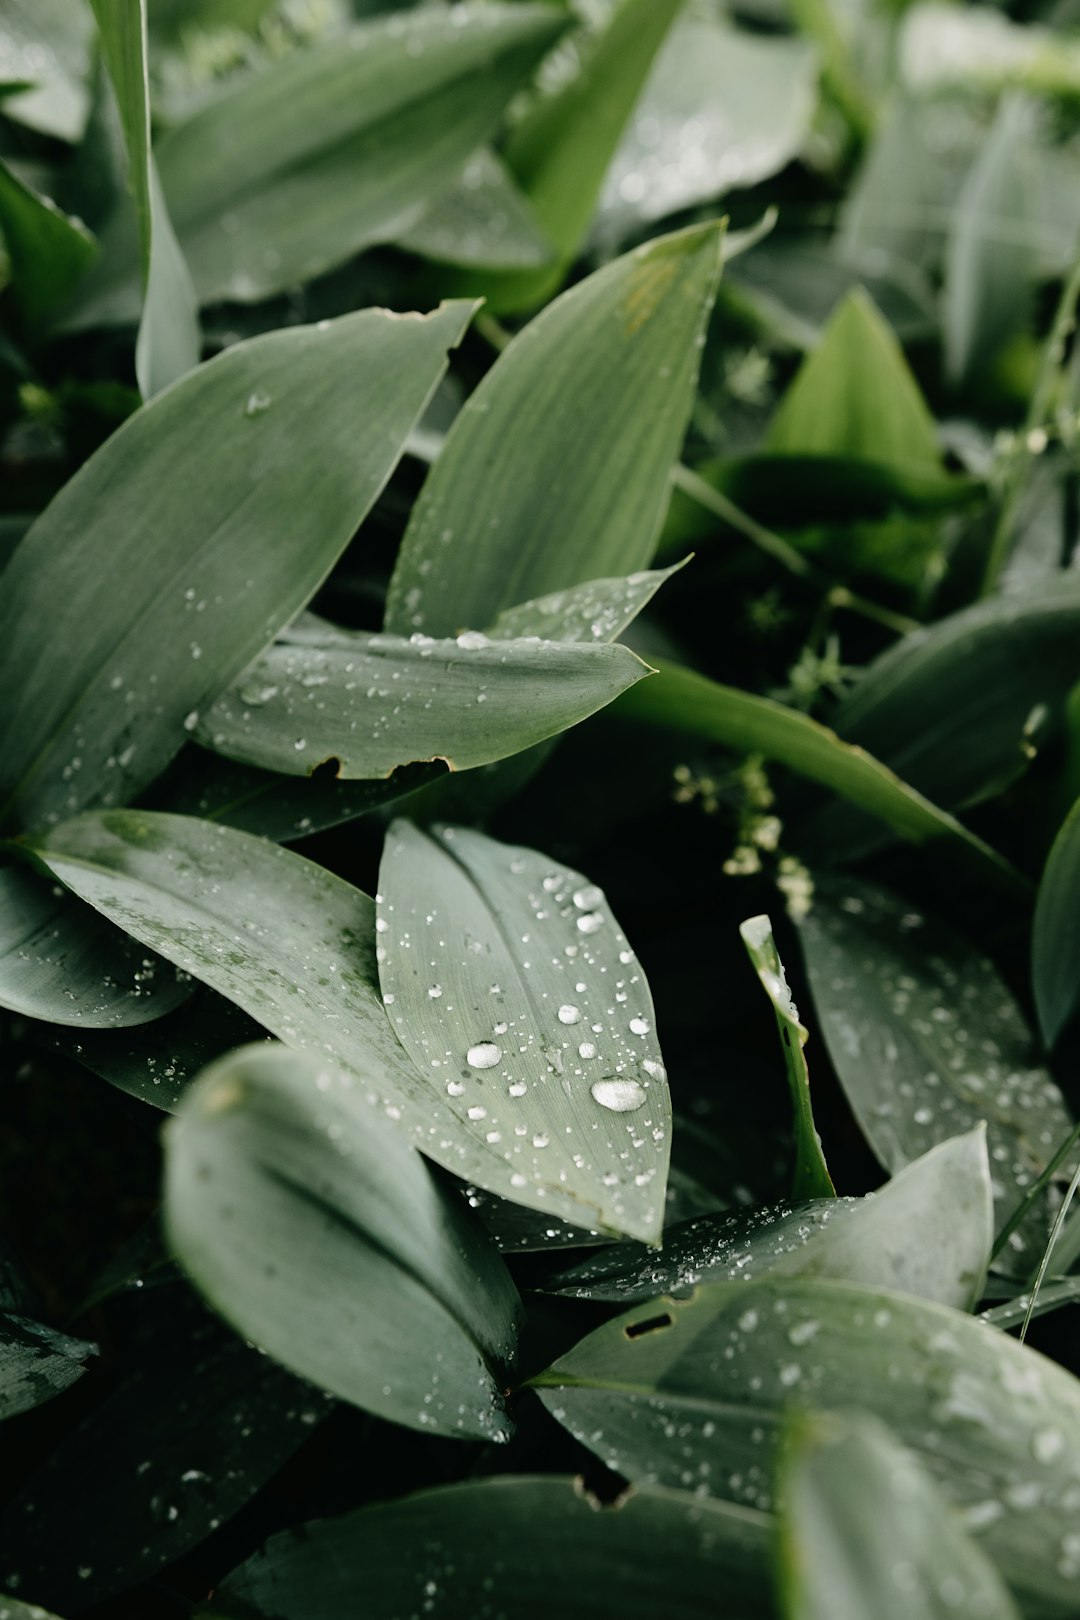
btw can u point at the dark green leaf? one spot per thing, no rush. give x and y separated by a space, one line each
556 470
367 704
36 1363
110 681
315 1230
1055 945
168 344
682 701
509 982
811 1176
520 1546
695 1391
192 1431
47 250
865 1531
927 1041
61 961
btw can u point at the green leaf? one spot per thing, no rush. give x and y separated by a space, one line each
811 1176
510 984
336 147
954 708
698 1389
213 564
992 251
319 1234
865 1531
855 396
12 1609
168 343
599 610
62 962
927 1041
927 1232
45 44
562 148
1055 948
191 1431
722 108
48 251
556 471
366 704
680 700
36 1363
709 1248
483 221
514 1545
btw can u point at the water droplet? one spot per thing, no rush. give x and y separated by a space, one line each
587 1050
588 898
622 1096
569 1014
435 991
1047 1444
257 403
485 1055
473 640
639 1026
590 922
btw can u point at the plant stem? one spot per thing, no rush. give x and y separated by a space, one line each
838 596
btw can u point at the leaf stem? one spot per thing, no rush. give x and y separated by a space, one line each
1034 1192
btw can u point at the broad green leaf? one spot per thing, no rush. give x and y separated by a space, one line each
62 962
511 986
335 147
168 343
294 947
191 1431
722 108
896 210
710 1248
992 252
157 1061
865 1531
927 1232
561 149
680 700
811 1177
515 1545
36 1363
213 562
696 1391
1055 945
284 808
927 1041
320 1235
556 470
366 704
483 220
47 250
956 709
45 44
855 396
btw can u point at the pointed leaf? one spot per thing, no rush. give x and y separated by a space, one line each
62 962
927 1232
927 1041
510 984
168 343
864 1530
811 1177
213 565
855 396
368 704
698 1389
36 1363
682 701
514 1545
322 1236
483 219
47 250
1055 947
556 470
598 610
